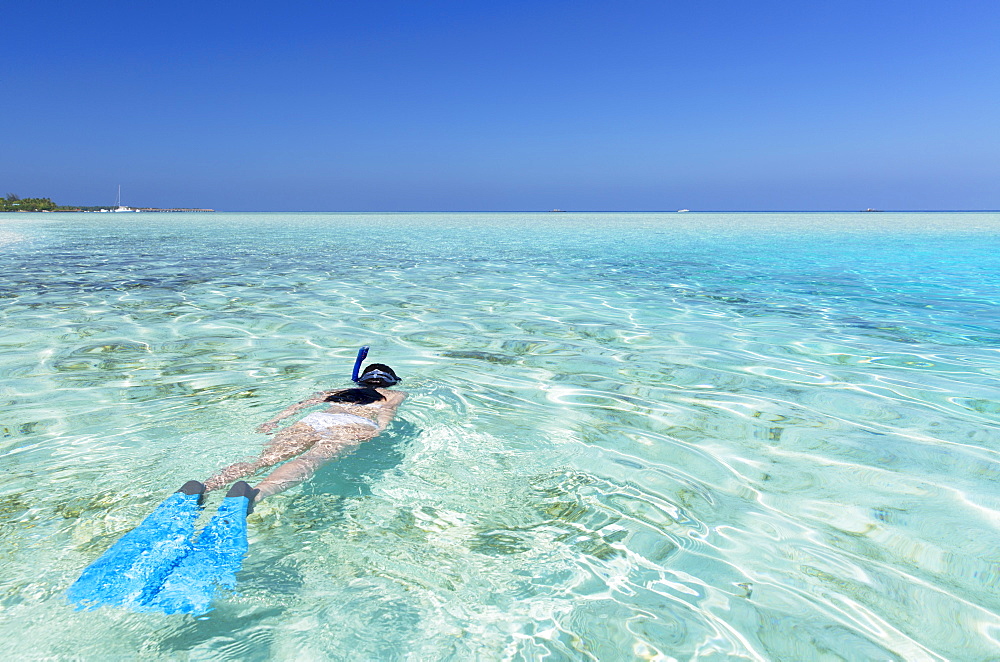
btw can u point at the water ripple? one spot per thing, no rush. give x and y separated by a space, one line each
629 436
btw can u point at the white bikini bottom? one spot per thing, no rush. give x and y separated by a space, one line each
322 422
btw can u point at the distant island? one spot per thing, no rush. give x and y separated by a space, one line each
15 203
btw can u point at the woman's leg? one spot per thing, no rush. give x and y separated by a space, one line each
232 472
303 467
285 445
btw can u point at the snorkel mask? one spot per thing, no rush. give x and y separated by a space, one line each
374 374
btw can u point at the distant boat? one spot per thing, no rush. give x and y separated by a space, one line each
118 203
682 210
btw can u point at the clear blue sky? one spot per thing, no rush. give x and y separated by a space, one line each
446 105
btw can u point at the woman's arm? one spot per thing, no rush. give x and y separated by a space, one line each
387 411
313 400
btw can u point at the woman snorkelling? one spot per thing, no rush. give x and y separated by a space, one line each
353 415
165 565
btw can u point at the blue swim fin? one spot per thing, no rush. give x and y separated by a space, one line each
213 562
130 572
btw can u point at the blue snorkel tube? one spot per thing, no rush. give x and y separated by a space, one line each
362 353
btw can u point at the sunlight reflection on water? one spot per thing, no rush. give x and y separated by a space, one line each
697 436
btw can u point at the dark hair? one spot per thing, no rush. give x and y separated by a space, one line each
378 381
356 396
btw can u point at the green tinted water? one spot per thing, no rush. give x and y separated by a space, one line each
628 436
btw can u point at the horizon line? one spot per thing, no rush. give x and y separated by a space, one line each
556 211
609 211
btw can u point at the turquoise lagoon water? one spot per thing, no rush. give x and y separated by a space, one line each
629 436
